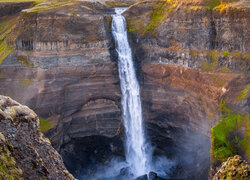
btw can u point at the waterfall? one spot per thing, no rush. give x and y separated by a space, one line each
137 151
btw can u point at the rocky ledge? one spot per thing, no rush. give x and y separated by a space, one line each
24 152
234 168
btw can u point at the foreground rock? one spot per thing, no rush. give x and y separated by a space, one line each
25 153
233 168
7 162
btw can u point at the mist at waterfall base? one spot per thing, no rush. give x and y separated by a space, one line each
113 171
138 151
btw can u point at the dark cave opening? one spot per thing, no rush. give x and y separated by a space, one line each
187 151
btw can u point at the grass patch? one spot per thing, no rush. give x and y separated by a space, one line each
226 142
49 5
45 124
117 3
244 93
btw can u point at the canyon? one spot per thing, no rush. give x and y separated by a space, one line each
192 64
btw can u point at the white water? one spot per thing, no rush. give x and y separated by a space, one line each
138 154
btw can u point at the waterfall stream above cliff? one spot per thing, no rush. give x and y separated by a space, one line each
138 151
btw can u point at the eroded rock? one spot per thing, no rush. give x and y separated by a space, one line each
25 152
234 168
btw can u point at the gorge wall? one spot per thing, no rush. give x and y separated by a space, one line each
189 58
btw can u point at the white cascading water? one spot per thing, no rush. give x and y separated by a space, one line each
137 155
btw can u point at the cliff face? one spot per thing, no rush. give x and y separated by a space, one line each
190 58
25 152
197 58
64 70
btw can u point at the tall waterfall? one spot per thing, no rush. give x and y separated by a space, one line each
136 148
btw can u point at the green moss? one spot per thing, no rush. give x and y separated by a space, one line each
2 47
135 25
246 57
225 142
225 54
5 50
206 66
7 37
24 60
224 69
45 124
160 11
211 4
214 55
194 53
243 94
8 169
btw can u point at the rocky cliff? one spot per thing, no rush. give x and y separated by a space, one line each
194 54
192 60
25 153
233 168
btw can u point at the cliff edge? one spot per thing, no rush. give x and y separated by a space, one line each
25 153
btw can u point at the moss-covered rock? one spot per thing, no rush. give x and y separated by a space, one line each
234 169
230 136
8 168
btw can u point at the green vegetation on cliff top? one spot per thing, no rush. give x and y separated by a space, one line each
231 135
50 5
161 9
